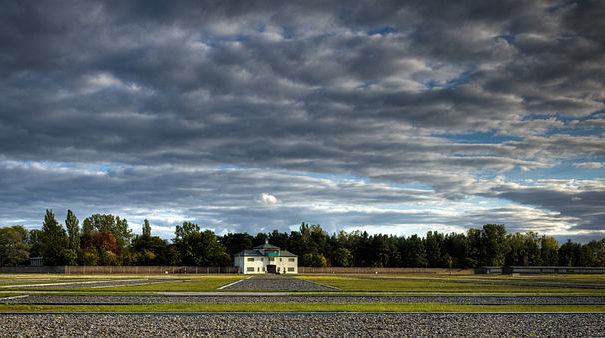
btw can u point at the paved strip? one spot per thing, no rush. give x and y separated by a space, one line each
231 284
226 294
303 324
14 297
277 283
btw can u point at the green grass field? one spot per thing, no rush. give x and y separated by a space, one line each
437 285
172 284
433 285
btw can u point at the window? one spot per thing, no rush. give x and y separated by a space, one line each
250 259
271 259
290 259
250 269
280 259
290 269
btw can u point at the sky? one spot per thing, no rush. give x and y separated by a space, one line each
393 117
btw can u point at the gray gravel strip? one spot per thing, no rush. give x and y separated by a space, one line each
304 325
265 283
333 299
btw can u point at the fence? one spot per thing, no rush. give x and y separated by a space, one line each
360 270
117 270
553 270
32 269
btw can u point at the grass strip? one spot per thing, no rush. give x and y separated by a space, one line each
353 284
295 307
197 284
8 295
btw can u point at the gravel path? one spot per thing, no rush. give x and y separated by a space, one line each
265 283
228 299
322 325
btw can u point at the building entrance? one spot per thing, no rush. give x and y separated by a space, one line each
271 268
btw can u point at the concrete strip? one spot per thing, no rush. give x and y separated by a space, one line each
324 285
14 297
227 294
68 283
230 284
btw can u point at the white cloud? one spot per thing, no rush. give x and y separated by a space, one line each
589 165
267 199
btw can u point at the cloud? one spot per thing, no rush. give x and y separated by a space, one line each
267 199
589 165
297 98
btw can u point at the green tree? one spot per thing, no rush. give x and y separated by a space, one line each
434 244
493 245
532 248
34 240
517 254
198 247
73 231
279 239
14 249
146 229
598 248
90 256
68 256
235 243
473 253
150 250
457 246
342 257
569 253
314 260
413 252
548 250
54 239
108 223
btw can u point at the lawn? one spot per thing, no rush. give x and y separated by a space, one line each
171 284
348 285
437 285
195 284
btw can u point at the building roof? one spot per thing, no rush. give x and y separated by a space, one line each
286 253
249 253
257 253
266 246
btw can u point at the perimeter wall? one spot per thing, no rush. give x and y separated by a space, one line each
360 270
156 270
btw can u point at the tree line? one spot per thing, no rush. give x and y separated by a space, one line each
105 239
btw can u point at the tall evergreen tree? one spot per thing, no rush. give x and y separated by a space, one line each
54 240
146 229
493 245
73 230
548 250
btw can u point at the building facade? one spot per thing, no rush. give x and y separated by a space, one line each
266 258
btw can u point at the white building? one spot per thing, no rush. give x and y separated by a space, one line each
266 258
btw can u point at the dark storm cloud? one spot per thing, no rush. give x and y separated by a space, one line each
578 201
368 90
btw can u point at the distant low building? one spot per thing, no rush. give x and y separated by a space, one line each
36 261
266 258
